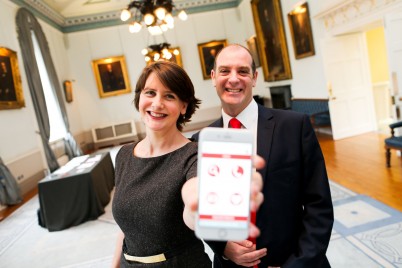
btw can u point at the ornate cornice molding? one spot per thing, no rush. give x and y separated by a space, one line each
94 21
350 11
43 8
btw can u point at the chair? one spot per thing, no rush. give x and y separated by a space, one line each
317 109
393 142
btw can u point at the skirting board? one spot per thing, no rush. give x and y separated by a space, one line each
27 170
31 182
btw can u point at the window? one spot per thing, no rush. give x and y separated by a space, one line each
57 127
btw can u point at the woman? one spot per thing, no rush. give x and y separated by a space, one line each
150 174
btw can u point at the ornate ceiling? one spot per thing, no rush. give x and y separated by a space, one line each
76 15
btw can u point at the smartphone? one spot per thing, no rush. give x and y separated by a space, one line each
224 171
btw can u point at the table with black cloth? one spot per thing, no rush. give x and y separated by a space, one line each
77 192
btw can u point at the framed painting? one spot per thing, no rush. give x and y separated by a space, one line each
111 76
11 95
207 52
253 47
300 29
271 39
174 51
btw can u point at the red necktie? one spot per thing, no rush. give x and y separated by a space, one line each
235 123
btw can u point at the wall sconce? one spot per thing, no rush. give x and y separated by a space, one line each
68 90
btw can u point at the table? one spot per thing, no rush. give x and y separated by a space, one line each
77 192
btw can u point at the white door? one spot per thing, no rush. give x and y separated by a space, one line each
393 37
347 72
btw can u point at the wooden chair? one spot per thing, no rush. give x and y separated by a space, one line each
393 142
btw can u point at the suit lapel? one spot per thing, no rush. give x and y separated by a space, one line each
217 123
265 131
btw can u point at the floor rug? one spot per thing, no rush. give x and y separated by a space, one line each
366 234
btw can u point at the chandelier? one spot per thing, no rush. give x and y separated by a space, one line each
156 15
158 52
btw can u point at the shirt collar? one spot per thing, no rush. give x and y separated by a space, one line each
247 117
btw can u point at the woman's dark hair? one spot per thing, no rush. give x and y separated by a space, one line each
177 80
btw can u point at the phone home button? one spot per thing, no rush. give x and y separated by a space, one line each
222 233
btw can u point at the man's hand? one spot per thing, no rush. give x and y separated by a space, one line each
244 253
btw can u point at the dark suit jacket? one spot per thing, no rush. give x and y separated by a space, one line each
296 217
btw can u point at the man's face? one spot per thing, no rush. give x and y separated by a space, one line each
233 79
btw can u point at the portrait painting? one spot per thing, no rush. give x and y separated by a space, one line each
207 52
111 76
271 39
300 28
11 95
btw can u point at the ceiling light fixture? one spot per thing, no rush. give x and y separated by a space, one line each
158 52
156 15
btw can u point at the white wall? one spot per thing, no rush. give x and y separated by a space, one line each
84 47
235 24
18 127
73 53
19 124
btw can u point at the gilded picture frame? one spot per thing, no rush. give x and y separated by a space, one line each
175 58
252 45
11 94
207 52
300 29
271 39
111 76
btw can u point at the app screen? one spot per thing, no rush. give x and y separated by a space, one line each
225 184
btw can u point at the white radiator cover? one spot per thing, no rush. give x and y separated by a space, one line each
27 170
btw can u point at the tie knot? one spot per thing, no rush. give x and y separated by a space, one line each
234 123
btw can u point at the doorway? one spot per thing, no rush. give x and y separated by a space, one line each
380 78
365 90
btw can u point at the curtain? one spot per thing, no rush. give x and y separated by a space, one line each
9 191
26 24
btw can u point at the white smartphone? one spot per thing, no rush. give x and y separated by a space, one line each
224 172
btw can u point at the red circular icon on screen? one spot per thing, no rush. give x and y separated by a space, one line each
236 199
237 171
212 198
213 170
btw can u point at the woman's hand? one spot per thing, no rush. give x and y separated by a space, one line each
189 194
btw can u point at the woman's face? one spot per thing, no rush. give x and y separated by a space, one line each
159 107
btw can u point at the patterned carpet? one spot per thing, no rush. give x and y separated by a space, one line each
366 234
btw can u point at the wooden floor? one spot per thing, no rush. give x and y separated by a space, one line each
357 163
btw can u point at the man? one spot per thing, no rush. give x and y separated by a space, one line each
296 216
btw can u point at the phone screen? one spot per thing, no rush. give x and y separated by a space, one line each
224 193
